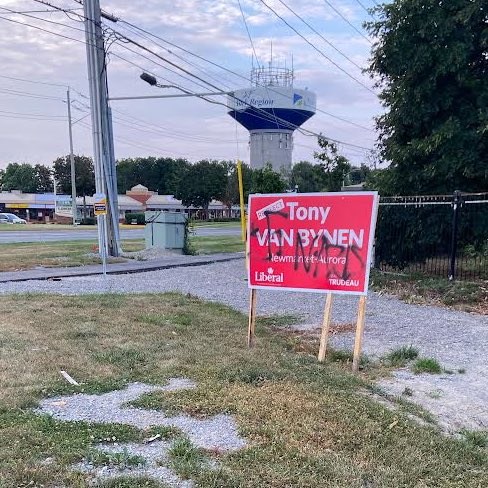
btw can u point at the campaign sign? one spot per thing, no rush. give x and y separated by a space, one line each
319 242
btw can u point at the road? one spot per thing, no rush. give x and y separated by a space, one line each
9 237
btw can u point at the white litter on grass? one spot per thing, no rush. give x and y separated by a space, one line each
216 433
69 378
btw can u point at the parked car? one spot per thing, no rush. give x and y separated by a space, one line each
9 218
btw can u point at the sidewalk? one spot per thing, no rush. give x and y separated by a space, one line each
127 267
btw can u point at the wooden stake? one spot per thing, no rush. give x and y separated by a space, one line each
252 318
324 336
359 334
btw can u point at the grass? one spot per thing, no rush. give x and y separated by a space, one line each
217 244
307 424
427 365
28 255
460 295
39 227
185 459
121 460
401 356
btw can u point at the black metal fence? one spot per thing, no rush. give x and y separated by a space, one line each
443 235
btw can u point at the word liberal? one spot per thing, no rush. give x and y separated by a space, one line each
312 242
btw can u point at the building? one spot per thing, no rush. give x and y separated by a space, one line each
47 207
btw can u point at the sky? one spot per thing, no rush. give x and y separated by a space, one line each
33 113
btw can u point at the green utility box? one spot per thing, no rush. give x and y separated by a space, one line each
165 230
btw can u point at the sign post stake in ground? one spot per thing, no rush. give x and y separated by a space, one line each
324 336
359 334
252 318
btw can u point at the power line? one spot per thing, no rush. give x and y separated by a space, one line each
248 32
365 8
25 24
345 19
27 94
144 48
43 20
321 36
224 68
317 49
33 115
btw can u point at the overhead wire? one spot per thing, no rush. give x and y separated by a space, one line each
340 68
224 68
144 48
365 9
312 28
345 19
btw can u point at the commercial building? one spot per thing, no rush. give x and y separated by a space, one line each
48 207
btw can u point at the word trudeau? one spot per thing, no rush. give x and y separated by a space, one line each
310 237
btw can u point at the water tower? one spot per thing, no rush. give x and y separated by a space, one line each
271 110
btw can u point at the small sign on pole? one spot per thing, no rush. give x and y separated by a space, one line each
99 204
315 242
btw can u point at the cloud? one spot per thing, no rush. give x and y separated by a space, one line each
213 29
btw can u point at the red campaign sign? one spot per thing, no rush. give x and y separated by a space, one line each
319 242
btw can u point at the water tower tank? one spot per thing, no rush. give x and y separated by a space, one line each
271 110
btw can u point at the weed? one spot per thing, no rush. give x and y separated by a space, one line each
185 458
401 356
461 371
121 460
131 482
427 365
476 438
407 391
277 321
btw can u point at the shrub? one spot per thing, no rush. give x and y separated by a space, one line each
139 218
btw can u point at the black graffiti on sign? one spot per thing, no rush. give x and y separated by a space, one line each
319 254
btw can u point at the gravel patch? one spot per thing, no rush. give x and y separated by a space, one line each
155 454
458 340
217 433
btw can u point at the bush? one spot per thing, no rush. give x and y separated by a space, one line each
139 218
88 221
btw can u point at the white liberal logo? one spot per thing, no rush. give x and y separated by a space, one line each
268 277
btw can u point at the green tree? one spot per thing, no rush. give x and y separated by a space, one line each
20 177
231 194
335 167
2 176
44 177
203 182
307 177
84 175
359 174
266 180
431 64
163 175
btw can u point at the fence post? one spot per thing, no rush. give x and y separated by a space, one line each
456 203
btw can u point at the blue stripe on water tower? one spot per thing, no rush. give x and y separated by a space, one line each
278 118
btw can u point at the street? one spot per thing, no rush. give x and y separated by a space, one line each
8 237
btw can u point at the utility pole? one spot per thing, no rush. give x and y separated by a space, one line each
105 177
72 160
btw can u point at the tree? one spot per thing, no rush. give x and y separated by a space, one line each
359 174
335 167
163 175
307 177
231 194
2 176
431 63
203 182
20 177
84 175
44 177
266 180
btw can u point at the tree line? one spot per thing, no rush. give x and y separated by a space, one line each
196 184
